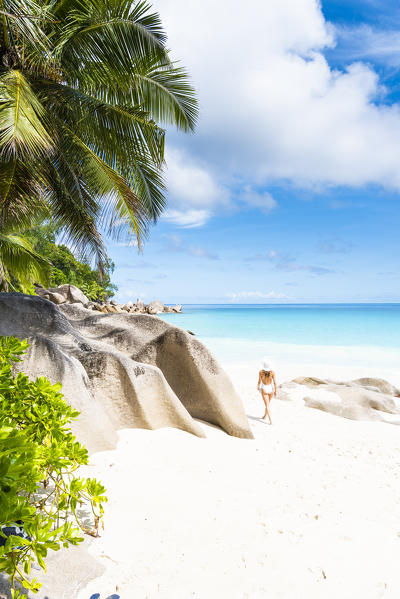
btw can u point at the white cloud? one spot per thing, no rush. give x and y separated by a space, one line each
192 191
365 42
255 199
255 295
271 106
187 219
189 183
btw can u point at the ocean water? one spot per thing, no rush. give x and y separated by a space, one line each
366 336
301 324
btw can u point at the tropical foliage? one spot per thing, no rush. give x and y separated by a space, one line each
85 86
20 262
66 268
39 456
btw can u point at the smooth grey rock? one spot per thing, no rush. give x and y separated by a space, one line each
378 385
122 370
110 309
309 381
140 304
54 297
155 307
72 294
361 399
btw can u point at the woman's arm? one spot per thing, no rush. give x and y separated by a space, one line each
259 381
273 378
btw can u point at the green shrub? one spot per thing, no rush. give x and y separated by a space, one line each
67 268
39 459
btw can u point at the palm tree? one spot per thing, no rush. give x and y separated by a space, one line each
85 86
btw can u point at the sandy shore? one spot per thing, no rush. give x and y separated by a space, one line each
310 508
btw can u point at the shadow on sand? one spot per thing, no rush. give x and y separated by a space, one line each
258 419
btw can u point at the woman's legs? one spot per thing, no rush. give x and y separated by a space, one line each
267 398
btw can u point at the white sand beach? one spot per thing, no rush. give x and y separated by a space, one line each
310 508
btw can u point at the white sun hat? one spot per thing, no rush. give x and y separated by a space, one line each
266 364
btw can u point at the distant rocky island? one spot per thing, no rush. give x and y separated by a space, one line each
69 294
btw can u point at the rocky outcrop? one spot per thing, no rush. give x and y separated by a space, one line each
361 399
63 294
155 307
122 370
69 294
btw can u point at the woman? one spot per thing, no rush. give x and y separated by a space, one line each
267 386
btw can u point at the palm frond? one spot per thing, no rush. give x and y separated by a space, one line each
18 258
23 21
119 202
165 92
21 194
111 34
115 130
74 208
22 123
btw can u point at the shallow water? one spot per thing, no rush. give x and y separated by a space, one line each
300 324
361 336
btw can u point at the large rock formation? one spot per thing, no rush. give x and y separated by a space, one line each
155 307
63 294
361 399
69 294
122 370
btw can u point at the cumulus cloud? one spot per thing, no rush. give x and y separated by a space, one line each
272 108
255 295
192 191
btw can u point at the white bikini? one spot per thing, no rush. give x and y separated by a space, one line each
266 387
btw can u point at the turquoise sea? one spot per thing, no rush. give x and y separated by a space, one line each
301 324
359 335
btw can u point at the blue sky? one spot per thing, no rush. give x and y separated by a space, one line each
289 190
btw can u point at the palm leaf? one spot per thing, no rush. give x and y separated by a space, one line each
74 208
112 33
22 127
19 258
164 90
21 194
102 124
22 24
120 205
